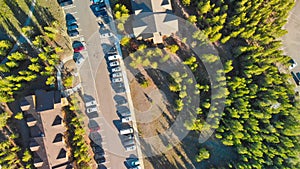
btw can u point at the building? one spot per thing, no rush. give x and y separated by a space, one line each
44 118
153 19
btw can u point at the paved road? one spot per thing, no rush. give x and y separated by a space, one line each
96 83
291 41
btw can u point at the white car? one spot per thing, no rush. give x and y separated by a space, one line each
114 63
118 74
114 57
126 119
90 103
116 69
116 80
130 148
126 131
92 109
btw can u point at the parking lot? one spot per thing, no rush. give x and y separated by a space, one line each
291 42
102 80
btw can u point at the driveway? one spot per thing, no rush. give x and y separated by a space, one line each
95 81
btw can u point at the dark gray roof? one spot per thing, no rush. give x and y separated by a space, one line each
45 100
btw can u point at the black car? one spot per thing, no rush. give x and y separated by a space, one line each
98 150
73 33
120 90
100 160
63 3
98 10
101 166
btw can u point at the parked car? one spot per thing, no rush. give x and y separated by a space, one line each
124 113
63 3
105 33
116 69
120 90
118 85
128 142
99 152
293 64
126 119
96 139
93 126
101 24
130 147
101 166
78 58
114 63
100 160
117 74
97 9
78 46
114 57
70 19
73 33
90 103
121 101
72 26
112 50
297 81
91 109
128 137
298 75
133 162
99 2
126 131
116 80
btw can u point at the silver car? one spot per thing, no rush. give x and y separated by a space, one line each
118 74
114 57
114 63
130 147
90 103
92 109
116 69
116 80
126 119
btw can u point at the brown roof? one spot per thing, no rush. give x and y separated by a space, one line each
45 107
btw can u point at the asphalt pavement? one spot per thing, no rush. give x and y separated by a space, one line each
96 83
291 41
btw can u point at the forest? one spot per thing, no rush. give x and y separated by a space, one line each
261 118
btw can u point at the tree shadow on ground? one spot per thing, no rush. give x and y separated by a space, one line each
18 12
42 14
3 33
12 29
157 161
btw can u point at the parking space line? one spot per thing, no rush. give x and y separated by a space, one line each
68 7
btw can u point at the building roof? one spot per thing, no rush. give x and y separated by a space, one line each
153 19
46 100
45 107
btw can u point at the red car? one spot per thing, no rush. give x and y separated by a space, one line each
93 126
78 46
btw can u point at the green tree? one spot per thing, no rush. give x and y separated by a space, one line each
26 156
19 116
203 155
192 19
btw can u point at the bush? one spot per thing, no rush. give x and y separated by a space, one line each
125 41
186 2
173 48
145 84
